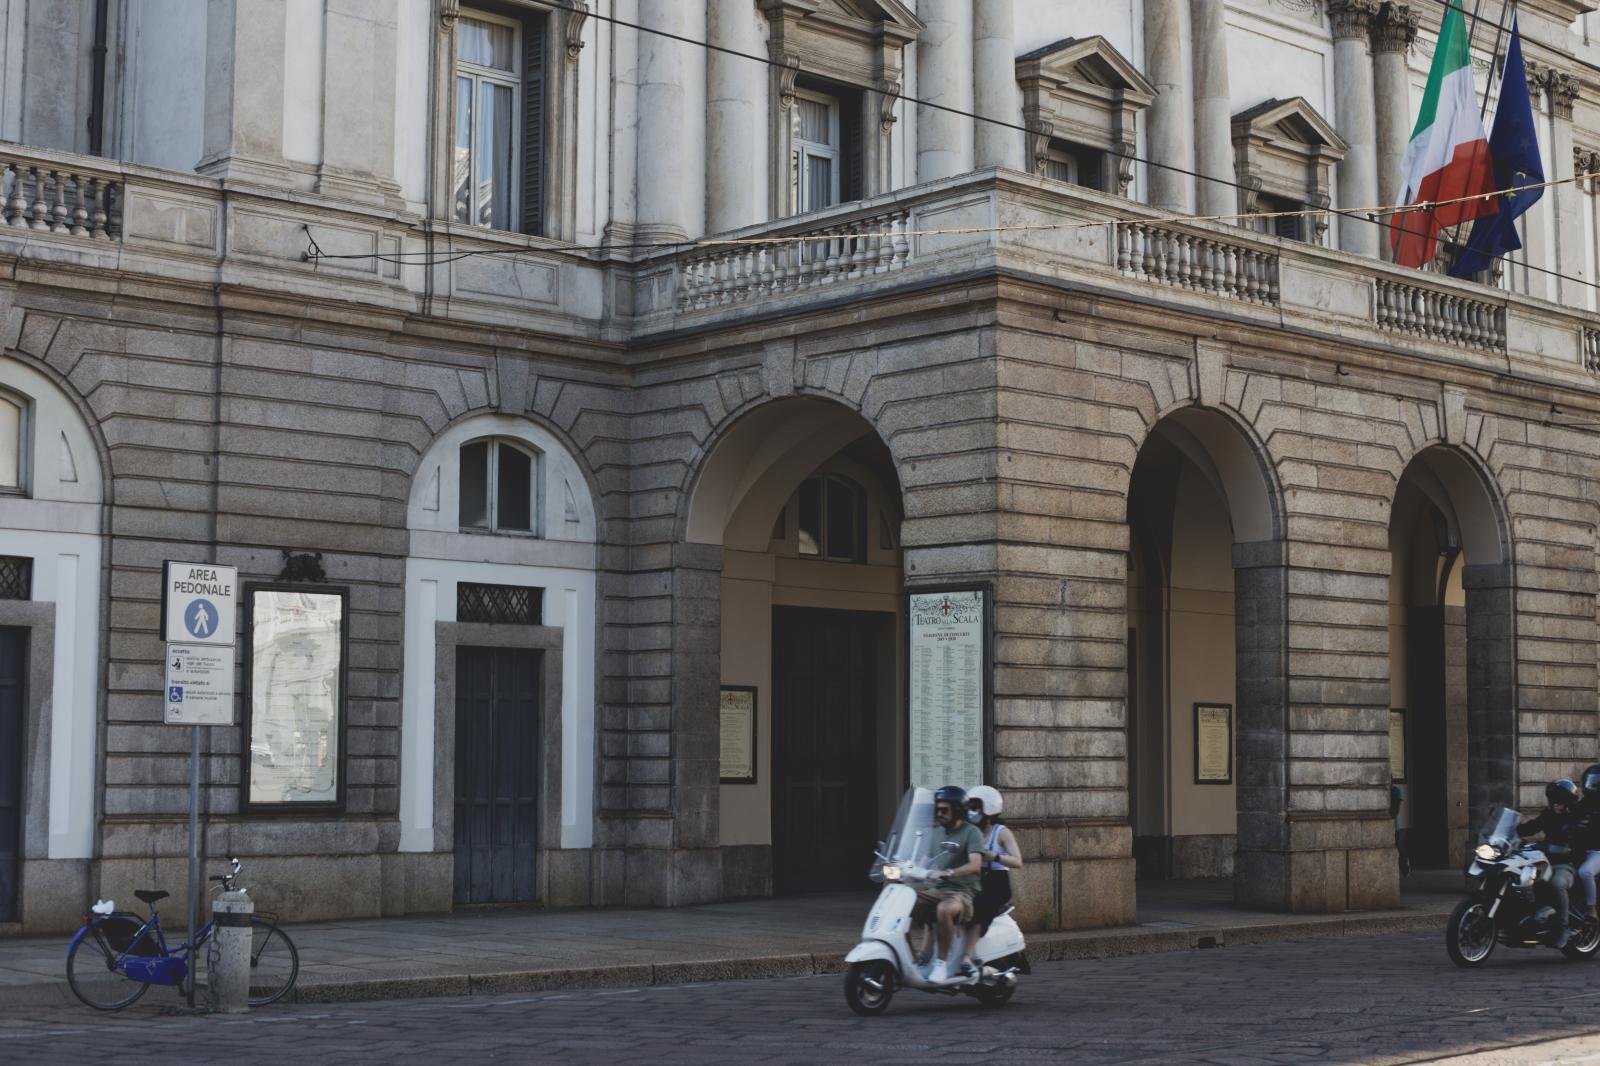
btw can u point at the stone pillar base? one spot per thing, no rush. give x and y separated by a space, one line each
1317 882
659 877
246 170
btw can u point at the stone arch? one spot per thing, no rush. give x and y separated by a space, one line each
1205 511
55 519
1453 661
560 559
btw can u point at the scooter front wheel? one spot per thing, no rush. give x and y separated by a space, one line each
1469 935
868 986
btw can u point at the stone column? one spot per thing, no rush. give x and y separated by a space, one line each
1213 110
1392 33
671 161
736 108
1571 254
360 43
243 133
995 94
944 76
1353 109
1170 130
1261 875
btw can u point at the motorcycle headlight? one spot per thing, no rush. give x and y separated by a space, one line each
891 873
1488 853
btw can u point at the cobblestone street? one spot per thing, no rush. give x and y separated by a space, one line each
1380 999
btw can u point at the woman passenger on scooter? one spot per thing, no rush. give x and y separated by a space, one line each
1001 855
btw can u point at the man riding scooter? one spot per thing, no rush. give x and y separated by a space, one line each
958 861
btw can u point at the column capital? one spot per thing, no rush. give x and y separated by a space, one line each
1563 90
1352 18
1395 28
1537 75
1585 161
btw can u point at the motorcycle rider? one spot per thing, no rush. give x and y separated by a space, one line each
1001 855
956 860
1560 825
1589 813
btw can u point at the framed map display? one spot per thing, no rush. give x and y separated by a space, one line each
1213 743
738 735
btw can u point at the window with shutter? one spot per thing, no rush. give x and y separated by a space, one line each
497 170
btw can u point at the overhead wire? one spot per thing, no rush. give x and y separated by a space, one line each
1368 215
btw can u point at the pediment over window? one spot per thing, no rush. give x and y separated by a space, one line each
1083 90
1285 149
859 42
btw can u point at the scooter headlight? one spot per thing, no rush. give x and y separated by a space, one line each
1488 853
891 873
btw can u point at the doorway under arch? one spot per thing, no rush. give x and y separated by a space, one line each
1452 713
803 497
1200 499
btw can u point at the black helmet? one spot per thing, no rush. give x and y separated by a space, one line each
1591 778
1562 791
955 796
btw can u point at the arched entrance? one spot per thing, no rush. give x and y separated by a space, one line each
1452 714
1200 502
803 497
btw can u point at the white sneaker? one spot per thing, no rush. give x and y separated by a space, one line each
938 973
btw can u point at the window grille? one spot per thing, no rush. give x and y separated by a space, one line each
16 578
505 605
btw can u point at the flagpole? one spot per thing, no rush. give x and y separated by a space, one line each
1495 66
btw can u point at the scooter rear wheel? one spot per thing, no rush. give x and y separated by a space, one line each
868 986
1584 943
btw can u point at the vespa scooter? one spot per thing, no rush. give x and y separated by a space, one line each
885 960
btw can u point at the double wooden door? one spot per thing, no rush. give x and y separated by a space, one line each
825 712
497 774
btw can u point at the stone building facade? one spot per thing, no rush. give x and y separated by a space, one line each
595 373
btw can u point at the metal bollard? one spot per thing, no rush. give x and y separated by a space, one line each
230 979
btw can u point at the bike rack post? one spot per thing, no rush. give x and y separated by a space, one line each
230 974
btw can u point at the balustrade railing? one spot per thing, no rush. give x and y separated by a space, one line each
734 273
1199 261
1440 315
58 199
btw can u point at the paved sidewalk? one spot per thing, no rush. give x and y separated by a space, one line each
483 952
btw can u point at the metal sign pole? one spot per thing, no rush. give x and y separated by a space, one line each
194 851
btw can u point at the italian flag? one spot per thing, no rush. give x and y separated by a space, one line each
1448 156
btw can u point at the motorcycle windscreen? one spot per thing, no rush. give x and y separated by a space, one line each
910 838
1500 829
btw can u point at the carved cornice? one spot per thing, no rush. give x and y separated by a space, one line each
1395 28
1352 18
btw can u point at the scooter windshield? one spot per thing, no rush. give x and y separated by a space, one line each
1501 828
910 839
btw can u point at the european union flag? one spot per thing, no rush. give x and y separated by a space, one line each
1514 147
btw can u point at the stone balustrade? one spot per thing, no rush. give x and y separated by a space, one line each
794 261
1436 313
50 197
1199 261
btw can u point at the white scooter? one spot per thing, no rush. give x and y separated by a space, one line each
886 960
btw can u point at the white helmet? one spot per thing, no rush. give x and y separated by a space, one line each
984 798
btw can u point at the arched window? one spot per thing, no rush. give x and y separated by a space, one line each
13 452
499 487
833 519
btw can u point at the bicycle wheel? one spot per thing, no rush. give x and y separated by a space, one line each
91 963
274 963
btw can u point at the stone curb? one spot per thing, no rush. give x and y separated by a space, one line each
1042 947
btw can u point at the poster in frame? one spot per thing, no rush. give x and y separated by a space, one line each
738 711
1397 745
949 668
296 645
1213 743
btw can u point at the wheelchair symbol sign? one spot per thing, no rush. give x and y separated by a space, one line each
175 694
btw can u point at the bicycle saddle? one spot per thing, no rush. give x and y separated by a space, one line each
150 895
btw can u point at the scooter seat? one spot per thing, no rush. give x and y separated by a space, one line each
150 895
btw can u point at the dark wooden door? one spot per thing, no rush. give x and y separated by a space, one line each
13 668
497 774
825 688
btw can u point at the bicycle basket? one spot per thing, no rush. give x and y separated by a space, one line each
119 930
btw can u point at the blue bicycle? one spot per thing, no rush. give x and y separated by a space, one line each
117 956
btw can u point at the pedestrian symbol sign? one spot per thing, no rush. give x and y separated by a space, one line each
199 603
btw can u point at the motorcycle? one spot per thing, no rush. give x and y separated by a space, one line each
885 960
1509 900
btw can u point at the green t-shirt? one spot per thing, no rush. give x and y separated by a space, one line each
967 839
